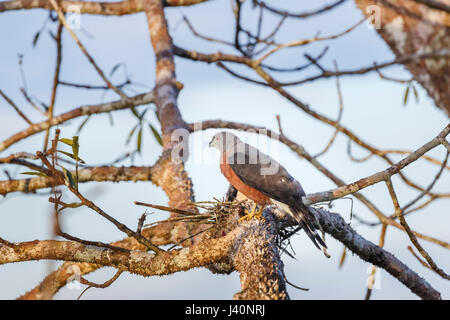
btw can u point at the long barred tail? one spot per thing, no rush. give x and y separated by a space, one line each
303 216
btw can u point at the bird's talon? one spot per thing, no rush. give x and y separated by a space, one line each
247 217
260 217
253 213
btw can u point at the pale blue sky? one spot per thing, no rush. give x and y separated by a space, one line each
373 109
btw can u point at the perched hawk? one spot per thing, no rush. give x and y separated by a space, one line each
263 180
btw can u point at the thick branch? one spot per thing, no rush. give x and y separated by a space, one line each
170 172
96 174
259 264
159 235
238 245
90 7
335 225
138 262
166 87
435 5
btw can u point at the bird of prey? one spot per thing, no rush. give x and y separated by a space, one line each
264 181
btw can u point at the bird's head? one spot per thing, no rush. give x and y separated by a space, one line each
223 140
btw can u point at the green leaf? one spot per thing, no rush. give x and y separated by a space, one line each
156 135
114 69
83 124
111 119
72 156
405 97
51 35
73 205
416 95
35 174
343 256
131 134
134 112
69 142
139 140
69 177
75 147
143 114
36 38
43 105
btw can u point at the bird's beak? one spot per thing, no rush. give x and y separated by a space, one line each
210 143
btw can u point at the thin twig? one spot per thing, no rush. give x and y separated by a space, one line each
102 285
371 280
338 120
51 106
59 176
83 49
411 235
15 107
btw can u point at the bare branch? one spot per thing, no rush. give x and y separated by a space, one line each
15 107
58 176
159 235
138 262
83 49
89 174
117 8
411 235
50 111
435 5
338 120
96 285
333 224
302 14
379 176
371 280
298 43
135 101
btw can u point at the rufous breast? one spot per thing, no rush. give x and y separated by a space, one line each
250 192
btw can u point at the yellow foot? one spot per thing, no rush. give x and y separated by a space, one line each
259 214
253 213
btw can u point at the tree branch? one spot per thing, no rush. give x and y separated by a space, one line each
135 101
335 225
137 262
258 262
236 245
93 174
91 7
159 235
379 176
